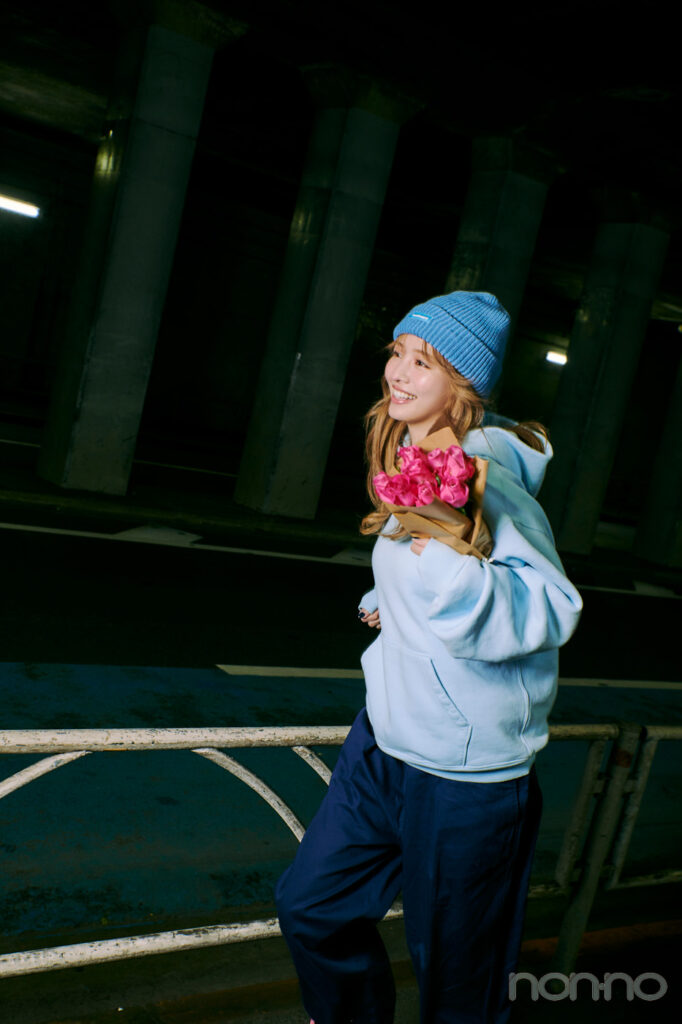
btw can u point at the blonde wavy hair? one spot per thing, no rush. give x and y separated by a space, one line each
383 434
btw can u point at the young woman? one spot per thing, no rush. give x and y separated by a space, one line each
434 793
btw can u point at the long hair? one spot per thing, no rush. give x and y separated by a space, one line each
383 435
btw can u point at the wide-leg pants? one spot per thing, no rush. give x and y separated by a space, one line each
460 852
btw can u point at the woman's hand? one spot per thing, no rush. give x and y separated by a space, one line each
418 544
370 618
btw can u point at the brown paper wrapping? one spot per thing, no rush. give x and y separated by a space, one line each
469 536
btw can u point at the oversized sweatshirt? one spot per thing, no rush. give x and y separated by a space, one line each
463 675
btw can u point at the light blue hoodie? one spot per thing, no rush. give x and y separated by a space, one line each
463 675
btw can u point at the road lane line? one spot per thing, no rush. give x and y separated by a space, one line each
162 539
283 671
280 671
626 684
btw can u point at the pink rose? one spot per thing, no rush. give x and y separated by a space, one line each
435 459
413 460
457 465
426 492
396 490
455 494
425 487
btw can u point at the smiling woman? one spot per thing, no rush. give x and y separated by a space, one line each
435 791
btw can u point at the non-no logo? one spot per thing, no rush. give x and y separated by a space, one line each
555 986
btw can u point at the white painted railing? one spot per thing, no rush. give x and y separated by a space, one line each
631 744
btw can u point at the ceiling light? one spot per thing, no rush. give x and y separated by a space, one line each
16 206
560 358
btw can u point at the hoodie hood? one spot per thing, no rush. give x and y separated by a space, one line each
494 441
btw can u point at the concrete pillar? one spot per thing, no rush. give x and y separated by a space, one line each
314 321
608 333
141 174
659 533
500 221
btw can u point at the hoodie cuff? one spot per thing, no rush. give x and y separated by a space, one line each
369 601
439 564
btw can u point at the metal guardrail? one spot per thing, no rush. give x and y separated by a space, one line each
604 811
619 791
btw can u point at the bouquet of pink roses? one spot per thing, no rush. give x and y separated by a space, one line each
438 492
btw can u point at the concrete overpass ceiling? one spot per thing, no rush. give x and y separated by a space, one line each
56 63
590 95
594 88
594 91
515 68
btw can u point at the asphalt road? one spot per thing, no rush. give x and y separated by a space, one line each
80 600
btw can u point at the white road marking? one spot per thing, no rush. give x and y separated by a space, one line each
280 671
626 684
283 671
639 589
170 537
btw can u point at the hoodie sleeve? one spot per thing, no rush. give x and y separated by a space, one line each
502 609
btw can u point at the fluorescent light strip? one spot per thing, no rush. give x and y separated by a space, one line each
16 206
560 358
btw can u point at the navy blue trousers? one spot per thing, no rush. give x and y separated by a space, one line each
460 852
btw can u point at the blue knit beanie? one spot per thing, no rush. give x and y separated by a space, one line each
469 328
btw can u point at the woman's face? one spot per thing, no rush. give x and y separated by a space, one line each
420 388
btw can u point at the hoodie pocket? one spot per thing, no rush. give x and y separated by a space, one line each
413 716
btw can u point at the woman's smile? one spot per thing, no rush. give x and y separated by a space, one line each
400 396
